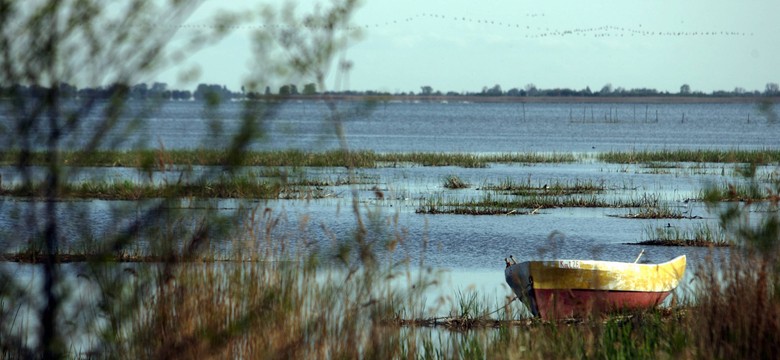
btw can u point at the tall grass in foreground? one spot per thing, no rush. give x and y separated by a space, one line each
261 310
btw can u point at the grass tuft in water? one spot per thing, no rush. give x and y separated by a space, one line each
454 182
745 191
669 235
554 188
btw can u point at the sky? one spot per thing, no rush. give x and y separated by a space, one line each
463 46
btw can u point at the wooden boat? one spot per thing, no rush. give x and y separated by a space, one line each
578 288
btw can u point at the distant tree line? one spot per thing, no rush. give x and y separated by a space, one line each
157 90
214 92
771 89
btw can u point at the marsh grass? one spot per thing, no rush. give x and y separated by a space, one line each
652 207
700 235
323 181
737 312
744 191
765 156
555 188
261 309
655 212
236 187
454 182
164 159
490 204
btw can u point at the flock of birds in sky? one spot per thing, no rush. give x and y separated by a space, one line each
529 30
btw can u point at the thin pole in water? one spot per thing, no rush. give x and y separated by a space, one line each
523 112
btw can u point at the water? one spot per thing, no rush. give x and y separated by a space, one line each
470 248
448 127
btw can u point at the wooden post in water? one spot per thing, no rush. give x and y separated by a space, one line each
683 118
523 112
646 109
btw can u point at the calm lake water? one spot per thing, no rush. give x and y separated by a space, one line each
470 248
450 127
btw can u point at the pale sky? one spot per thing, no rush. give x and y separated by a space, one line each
458 45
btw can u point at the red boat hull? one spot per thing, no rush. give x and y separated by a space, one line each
567 303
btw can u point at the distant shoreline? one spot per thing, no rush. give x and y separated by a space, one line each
648 100
549 99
